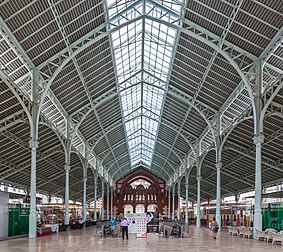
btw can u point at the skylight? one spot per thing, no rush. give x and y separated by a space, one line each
143 49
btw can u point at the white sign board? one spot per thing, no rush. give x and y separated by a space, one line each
131 217
141 225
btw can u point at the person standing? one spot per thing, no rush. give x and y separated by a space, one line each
112 225
214 228
124 225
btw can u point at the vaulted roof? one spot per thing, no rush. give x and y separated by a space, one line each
142 83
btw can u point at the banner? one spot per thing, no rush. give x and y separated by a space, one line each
132 219
141 225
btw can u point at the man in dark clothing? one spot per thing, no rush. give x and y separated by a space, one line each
124 225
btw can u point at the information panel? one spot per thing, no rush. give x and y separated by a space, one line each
131 217
141 225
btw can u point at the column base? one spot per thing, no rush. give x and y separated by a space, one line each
32 225
66 219
257 224
198 221
218 219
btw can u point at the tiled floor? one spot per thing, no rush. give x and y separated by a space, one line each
88 240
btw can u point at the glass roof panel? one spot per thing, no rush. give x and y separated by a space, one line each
142 50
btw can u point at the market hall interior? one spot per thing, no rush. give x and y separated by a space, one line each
168 113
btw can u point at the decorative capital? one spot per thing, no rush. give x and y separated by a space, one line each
218 165
258 140
198 178
33 144
85 179
67 167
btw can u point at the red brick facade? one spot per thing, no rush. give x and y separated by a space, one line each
126 195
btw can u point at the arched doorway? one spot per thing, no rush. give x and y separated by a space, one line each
152 208
141 188
140 208
128 209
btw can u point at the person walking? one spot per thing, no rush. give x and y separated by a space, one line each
214 228
124 224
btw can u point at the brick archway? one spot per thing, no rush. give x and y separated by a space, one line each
155 194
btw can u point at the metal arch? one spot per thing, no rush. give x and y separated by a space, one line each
51 126
81 158
211 182
190 33
17 93
110 164
268 102
146 166
242 153
79 50
14 45
56 176
231 174
162 142
119 123
80 116
272 46
21 54
14 119
226 135
186 98
216 48
138 164
18 169
206 41
26 164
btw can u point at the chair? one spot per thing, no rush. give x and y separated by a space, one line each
230 230
277 237
235 231
241 231
260 234
268 235
247 232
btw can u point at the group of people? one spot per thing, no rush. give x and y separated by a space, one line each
124 224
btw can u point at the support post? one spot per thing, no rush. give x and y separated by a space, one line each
32 214
67 174
169 198
187 197
198 201
218 194
258 141
102 197
218 166
179 199
107 201
173 201
95 196
111 203
33 143
84 198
